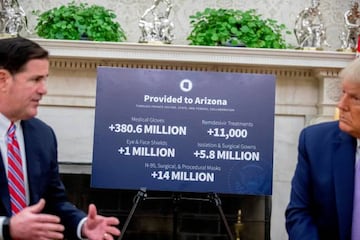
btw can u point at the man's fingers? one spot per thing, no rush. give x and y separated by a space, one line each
48 218
112 221
38 207
53 227
43 218
54 235
57 227
92 211
113 231
30 225
50 231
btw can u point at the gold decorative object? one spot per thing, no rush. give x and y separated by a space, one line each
239 226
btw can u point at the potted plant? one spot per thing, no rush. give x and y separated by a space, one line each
79 21
229 27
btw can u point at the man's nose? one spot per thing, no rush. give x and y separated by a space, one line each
343 102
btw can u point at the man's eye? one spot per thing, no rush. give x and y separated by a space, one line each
356 98
38 79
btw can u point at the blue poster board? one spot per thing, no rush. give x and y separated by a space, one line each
186 131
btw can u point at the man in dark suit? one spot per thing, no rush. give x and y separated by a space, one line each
323 187
45 212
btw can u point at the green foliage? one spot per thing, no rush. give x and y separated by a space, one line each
219 27
79 21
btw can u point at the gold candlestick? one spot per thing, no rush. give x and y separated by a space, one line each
239 226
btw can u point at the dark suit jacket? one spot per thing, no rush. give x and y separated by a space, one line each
43 176
321 199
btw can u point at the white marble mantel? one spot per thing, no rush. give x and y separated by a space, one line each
306 92
196 54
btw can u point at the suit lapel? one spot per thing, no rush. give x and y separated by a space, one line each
343 169
32 160
4 191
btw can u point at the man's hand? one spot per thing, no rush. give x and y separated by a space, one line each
98 227
31 224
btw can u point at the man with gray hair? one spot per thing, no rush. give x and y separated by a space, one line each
325 193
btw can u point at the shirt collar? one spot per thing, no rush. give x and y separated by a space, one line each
4 125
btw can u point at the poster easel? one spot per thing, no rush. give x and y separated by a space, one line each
142 195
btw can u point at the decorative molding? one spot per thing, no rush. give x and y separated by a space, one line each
81 65
105 52
333 92
85 55
328 73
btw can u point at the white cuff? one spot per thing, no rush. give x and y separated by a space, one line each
78 231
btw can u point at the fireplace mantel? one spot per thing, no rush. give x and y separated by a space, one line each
135 52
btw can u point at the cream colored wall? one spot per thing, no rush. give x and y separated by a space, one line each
284 11
306 82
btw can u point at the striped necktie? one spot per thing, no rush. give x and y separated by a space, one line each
15 172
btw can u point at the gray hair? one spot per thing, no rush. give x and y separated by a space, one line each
351 72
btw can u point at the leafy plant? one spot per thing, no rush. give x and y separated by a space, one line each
219 27
78 21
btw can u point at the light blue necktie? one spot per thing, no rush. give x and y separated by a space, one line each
355 234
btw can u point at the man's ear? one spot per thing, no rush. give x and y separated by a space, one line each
4 79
